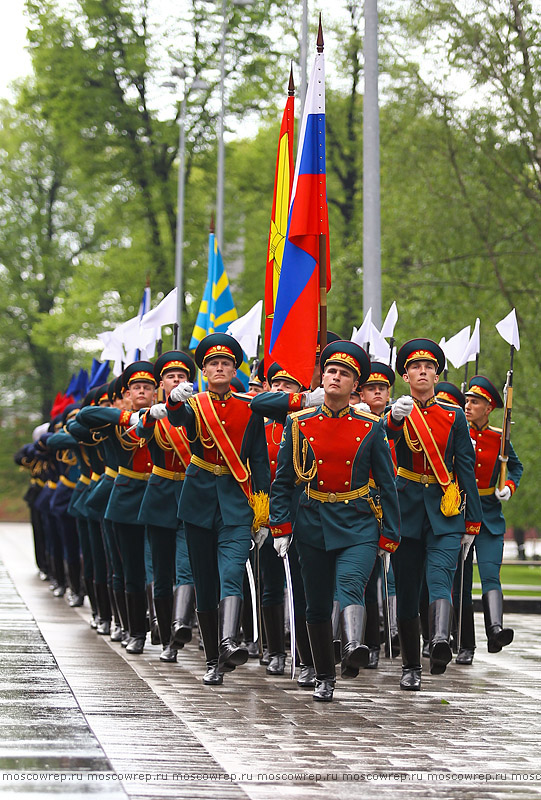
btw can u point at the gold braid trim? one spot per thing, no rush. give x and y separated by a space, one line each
208 442
301 472
66 458
130 445
161 441
413 444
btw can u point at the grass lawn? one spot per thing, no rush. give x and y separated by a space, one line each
512 575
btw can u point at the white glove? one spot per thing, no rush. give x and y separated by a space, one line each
402 408
363 407
315 398
158 411
466 542
502 495
180 393
134 419
260 536
385 558
281 545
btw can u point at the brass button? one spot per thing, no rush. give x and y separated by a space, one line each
424 480
346 483
303 424
321 483
350 418
357 438
320 417
320 461
311 438
332 497
223 405
366 424
273 462
348 462
217 469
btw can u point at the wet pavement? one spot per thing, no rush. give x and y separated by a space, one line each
75 705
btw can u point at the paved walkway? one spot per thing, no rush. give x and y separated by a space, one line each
81 716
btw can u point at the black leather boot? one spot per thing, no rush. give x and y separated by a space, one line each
76 593
439 624
136 604
335 621
423 615
307 673
116 627
89 590
497 635
321 644
183 608
229 653
104 609
164 608
273 617
152 619
467 638
410 647
120 599
354 652
371 635
208 626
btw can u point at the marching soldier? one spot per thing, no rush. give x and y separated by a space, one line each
170 452
286 395
228 468
134 470
332 450
482 398
434 457
376 393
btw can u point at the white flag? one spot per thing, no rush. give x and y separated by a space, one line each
247 329
508 329
165 312
390 321
455 347
362 336
379 349
473 347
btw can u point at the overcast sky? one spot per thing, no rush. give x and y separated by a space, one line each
14 60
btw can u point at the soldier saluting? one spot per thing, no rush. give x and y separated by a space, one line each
332 449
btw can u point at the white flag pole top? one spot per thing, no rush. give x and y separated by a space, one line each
363 334
247 329
379 348
455 347
165 312
473 347
508 329
391 319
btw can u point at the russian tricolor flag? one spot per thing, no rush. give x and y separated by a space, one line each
294 329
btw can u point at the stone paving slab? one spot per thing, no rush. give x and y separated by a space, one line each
471 733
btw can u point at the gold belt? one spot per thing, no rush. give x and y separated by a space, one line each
84 479
39 482
338 497
167 473
66 482
112 473
95 477
485 492
130 473
51 484
415 476
372 483
217 469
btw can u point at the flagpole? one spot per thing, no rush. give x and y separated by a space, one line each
322 247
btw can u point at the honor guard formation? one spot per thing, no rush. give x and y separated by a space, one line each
306 527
